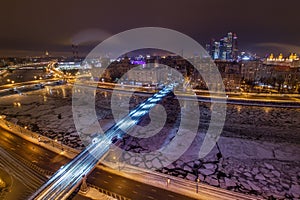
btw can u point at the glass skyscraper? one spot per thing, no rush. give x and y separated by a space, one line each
224 49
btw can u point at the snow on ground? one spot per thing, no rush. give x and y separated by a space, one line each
256 154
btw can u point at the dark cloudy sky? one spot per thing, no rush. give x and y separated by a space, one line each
29 27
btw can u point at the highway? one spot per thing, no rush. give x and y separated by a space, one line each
20 159
65 180
28 151
131 189
20 172
23 151
7 86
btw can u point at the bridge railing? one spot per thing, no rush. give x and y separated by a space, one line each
108 193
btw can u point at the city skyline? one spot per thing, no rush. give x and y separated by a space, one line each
154 100
34 28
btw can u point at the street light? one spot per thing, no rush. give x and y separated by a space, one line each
168 182
197 185
54 141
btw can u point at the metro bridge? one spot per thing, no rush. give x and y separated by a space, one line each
70 176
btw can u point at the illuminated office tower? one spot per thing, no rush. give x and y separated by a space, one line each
225 49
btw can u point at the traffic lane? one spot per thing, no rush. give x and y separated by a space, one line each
130 188
26 150
52 161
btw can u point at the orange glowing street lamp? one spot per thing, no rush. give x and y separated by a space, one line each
197 185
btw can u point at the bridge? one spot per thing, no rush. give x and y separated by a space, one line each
70 176
30 65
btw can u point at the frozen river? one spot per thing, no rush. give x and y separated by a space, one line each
256 154
49 109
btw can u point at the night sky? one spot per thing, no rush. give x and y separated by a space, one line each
33 26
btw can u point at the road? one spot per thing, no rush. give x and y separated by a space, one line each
22 149
129 188
24 180
17 157
8 86
30 152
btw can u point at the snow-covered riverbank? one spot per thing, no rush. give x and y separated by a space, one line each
256 154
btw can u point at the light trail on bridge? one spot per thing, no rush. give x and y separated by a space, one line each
69 177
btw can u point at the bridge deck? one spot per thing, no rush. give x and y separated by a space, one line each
66 179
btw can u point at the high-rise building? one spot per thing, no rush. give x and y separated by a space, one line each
208 48
235 49
216 50
229 45
224 49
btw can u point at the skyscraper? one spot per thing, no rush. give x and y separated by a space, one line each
216 51
224 49
235 49
229 45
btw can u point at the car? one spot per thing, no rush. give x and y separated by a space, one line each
95 140
114 139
